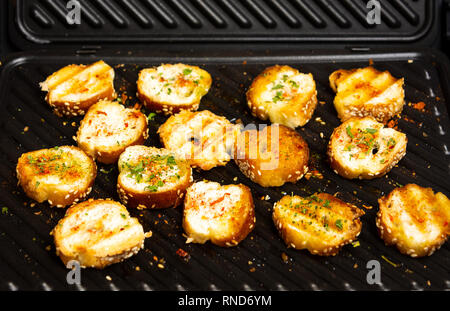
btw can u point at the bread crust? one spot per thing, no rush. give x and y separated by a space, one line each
97 233
414 219
160 89
69 95
145 194
362 148
284 95
109 128
367 92
225 219
281 155
61 175
322 223
202 138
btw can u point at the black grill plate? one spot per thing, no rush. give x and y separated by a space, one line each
25 263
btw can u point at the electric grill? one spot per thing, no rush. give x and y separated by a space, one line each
233 40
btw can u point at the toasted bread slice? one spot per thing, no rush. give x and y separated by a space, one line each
171 88
97 233
367 92
202 138
273 156
60 175
74 88
321 223
108 128
225 215
152 178
284 95
363 148
414 219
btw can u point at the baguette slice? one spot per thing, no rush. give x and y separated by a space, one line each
171 88
74 88
152 178
321 223
284 95
273 156
97 233
362 148
367 92
60 175
109 128
223 214
202 138
414 219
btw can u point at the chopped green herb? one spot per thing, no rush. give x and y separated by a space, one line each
123 216
371 131
187 71
277 97
349 132
151 116
4 210
339 224
278 86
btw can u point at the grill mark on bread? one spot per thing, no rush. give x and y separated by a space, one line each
367 92
414 219
69 95
321 223
105 233
178 127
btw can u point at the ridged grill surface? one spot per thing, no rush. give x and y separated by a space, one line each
28 260
44 21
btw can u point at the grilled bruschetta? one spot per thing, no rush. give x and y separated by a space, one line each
97 233
414 219
171 88
152 178
224 215
202 138
363 148
75 88
321 223
272 156
284 95
367 92
59 175
108 128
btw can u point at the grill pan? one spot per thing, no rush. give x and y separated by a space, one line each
260 262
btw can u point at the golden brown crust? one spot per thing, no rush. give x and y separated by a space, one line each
362 148
322 223
60 175
97 233
283 95
70 95
273 156
109 128
225 218
414 219
139 188
367 92
162 98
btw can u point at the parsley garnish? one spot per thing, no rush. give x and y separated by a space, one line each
349 132
187 71
338 224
